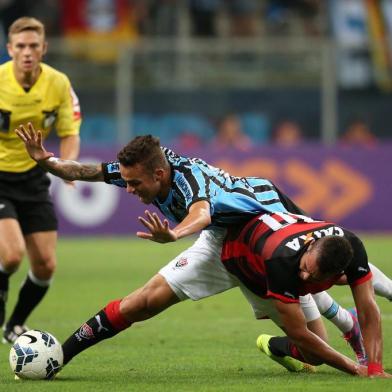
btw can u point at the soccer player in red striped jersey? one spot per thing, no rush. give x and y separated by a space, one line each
280 257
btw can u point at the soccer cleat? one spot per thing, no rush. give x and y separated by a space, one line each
355 340
291 364
10 335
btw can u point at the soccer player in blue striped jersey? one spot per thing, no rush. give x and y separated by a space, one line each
231 199
196 197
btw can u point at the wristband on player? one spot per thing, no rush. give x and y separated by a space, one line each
374 369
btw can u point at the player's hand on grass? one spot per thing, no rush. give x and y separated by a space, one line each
159 231
33 142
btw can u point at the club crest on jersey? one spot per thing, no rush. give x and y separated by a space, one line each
85 332
182 262
297 242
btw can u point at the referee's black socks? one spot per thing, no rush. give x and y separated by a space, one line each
30 295
4 279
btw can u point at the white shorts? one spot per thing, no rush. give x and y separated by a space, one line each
198 273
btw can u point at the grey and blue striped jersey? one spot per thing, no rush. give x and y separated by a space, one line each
232 199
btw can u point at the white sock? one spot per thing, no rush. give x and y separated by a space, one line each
381 283
331 310
37 281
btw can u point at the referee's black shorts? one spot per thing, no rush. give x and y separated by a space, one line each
25 197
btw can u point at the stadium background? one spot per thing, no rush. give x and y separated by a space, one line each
296 91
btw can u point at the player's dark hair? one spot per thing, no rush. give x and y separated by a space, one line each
334 254
143 150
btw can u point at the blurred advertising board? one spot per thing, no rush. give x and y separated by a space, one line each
348 185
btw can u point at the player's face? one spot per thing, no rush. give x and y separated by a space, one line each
26 50
308 268
145 185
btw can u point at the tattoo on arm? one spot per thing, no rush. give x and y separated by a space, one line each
72 170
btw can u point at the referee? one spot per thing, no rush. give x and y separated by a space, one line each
30 91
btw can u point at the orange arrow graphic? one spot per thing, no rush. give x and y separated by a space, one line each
336 190
314 191
355 189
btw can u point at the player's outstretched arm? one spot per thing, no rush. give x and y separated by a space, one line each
197 219
65 169
370 322
312 347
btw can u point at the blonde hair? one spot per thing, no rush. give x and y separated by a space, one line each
26 23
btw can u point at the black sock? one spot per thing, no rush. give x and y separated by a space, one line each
4 279
90 333
280 346
30 295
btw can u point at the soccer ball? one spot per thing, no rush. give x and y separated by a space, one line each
36 355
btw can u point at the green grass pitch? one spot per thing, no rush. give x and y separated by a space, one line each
194 346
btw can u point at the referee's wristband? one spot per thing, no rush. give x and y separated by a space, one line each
374 369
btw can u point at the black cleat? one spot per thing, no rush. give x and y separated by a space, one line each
11 334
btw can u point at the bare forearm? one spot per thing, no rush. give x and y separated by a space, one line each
69 147
370 322
192 224
72 170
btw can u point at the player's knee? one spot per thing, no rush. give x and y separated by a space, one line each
12 259
44 269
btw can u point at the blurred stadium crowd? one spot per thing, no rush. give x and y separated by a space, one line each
230 72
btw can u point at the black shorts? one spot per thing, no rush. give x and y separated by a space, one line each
25 197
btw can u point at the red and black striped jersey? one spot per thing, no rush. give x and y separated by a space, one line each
265 255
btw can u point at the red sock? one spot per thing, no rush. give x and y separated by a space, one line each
295 353
116 319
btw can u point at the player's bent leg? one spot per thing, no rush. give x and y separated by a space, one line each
381 283
278 349
312 316
345 320
12 248
317 327
196 273
41 251
41 248
282 350
149 300
331 310
12 245
118 315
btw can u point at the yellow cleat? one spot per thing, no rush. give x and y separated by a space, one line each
291 364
